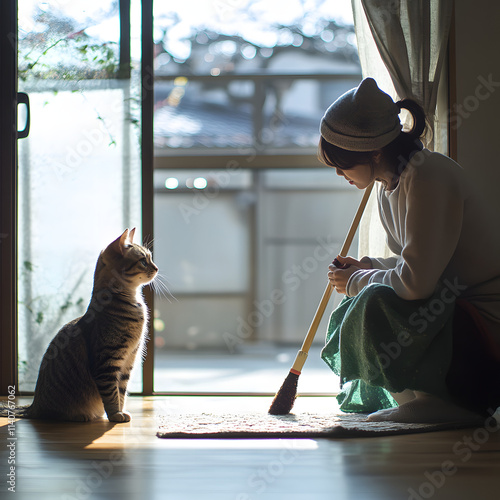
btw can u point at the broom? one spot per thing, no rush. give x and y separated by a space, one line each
284 399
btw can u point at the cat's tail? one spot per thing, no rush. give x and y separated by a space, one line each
10 410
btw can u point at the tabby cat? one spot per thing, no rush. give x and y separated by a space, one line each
86 368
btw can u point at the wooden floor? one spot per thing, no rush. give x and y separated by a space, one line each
128 462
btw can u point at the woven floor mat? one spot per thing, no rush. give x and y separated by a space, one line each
301 425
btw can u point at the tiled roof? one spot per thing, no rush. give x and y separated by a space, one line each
208 125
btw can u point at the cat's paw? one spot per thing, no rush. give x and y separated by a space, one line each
81 418
120 416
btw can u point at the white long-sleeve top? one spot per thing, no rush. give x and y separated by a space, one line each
439 229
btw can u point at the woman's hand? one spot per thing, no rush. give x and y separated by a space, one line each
339 277
364 263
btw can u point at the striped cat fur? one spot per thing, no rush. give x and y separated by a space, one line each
86 368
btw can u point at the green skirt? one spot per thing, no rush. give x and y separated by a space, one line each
379 343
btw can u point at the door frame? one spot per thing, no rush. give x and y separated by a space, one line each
147 109
8 197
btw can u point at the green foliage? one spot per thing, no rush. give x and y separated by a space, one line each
67 58
28 266
69 304
39 306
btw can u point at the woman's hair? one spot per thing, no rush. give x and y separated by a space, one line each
397 153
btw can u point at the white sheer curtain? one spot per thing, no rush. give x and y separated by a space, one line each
403 45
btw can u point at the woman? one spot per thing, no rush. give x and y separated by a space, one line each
424 324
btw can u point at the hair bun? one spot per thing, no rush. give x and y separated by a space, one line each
418 115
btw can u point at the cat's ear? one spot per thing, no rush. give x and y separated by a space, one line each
131 235
118 245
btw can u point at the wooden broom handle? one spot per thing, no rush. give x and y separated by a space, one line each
329 288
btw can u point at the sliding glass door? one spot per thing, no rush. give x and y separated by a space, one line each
79 170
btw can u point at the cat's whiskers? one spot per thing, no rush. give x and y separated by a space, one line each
161 288
148 243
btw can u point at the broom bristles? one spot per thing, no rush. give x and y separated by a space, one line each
285 397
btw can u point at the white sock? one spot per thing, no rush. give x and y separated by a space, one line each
403 397
427 409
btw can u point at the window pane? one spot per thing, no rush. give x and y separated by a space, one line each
79 169
246 84
202 237
238 316
279 116
217 74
